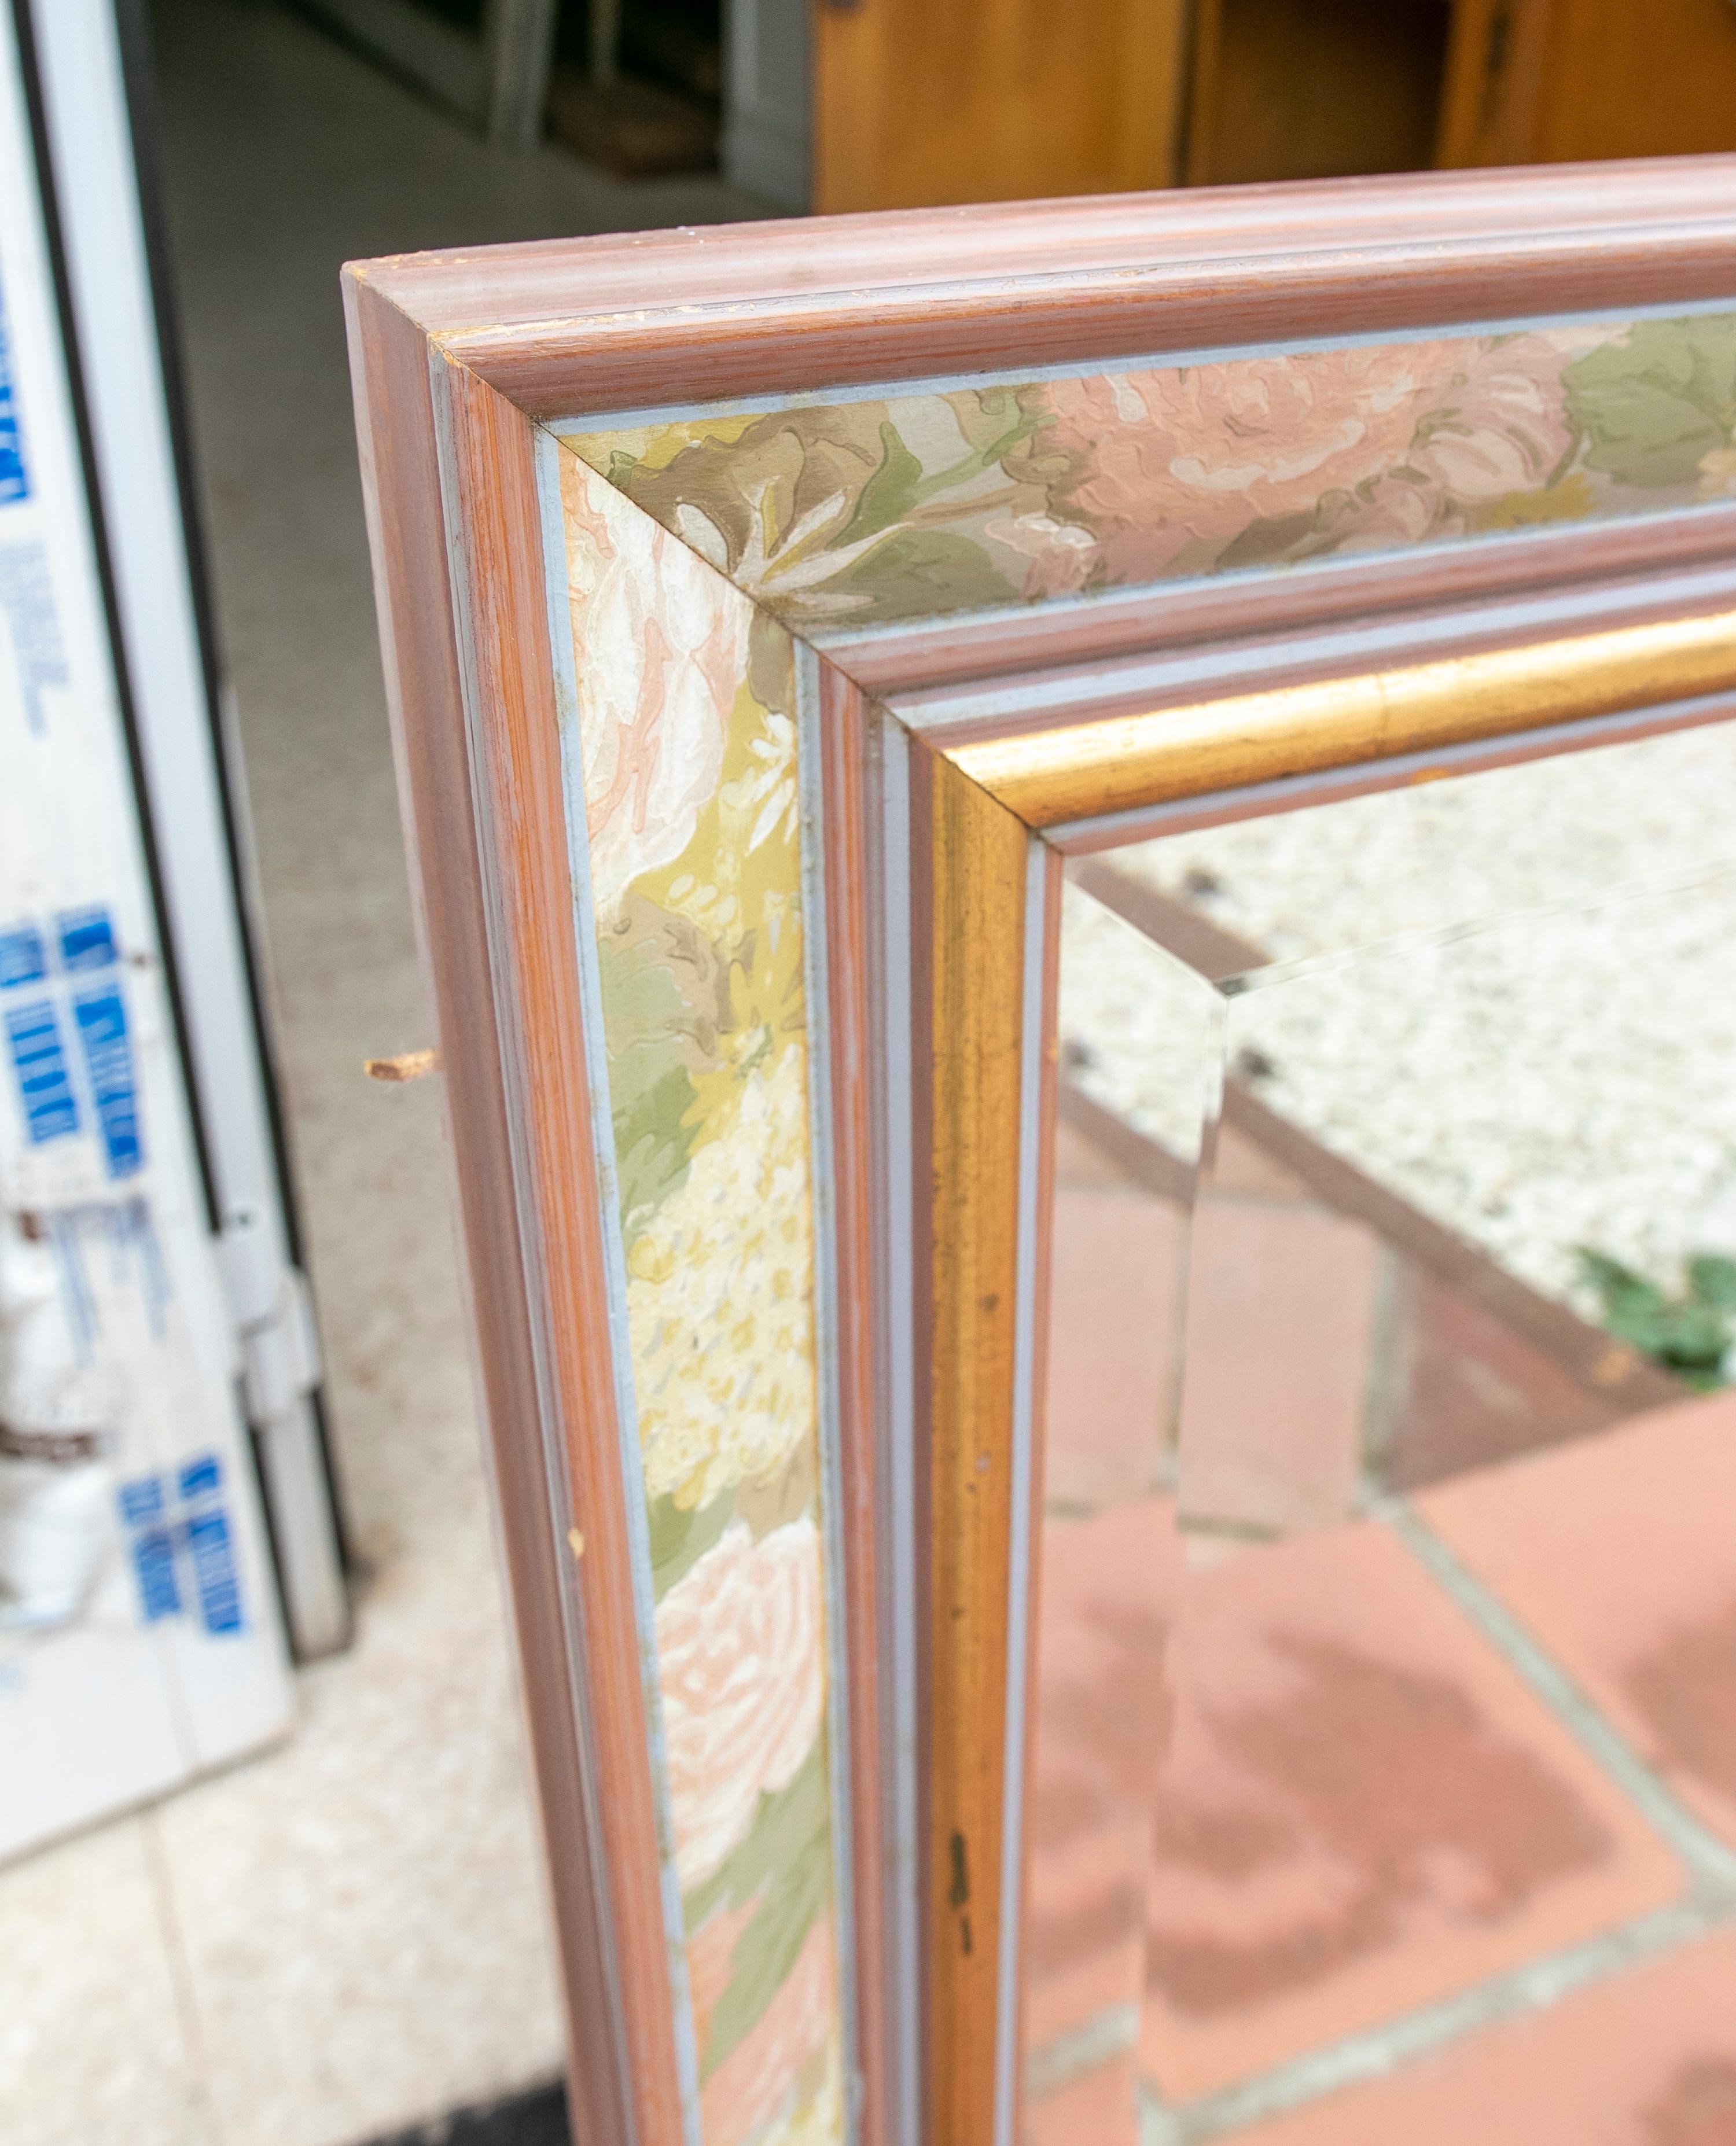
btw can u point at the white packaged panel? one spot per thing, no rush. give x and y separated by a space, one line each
87 129
140 1636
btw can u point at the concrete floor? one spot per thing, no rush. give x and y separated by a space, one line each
348 1935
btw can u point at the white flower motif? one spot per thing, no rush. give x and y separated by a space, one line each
1718 473
741 1663
661 647
771 787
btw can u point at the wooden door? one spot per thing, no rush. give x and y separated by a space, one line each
918 102
1289 89
1557 81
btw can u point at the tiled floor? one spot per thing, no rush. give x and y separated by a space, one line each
1364 1810
349 1935
1648 2060
1620 1555
1420 1826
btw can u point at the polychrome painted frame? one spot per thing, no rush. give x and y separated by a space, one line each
945 767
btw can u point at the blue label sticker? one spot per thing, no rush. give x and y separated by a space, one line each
99 1088
200 1478
26 597
153 1548
182 1549
208 1543
86 938
101 1020
14 479
153 1565
50 1107
141 1500
207 1537
24 957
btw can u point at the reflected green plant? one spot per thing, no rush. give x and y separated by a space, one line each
1690 1333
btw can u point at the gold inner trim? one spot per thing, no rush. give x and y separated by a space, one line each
1123 763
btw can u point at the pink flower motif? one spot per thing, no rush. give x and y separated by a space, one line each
1389 511
660 645
1061 553
741 1659
754 2081
1502 425
1186 453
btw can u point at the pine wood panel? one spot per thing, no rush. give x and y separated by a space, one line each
1638 78
1554 81
924 101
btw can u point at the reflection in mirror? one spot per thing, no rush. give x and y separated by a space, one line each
1384 1751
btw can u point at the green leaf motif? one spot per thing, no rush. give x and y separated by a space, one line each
916 572
649 1104
785 1862
680 1536
660 1016
1269 539
1654 404
889 493
767 1950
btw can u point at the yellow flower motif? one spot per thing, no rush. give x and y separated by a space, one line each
719 1299
819 2122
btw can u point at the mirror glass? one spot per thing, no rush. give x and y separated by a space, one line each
1383 1759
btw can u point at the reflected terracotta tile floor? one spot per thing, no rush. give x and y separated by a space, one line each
1619 1553
1648 2060
1288 1797
1363 1809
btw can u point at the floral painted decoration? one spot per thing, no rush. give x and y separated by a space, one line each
683 742
684 735
924 504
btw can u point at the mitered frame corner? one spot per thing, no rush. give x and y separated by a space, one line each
950 767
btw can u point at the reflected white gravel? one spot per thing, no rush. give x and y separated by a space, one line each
1511 997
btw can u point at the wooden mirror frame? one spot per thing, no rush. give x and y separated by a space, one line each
948 767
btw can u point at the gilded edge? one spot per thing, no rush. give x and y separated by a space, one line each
976 1025
679 752
1125 763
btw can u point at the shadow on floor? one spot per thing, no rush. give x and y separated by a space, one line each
536 2118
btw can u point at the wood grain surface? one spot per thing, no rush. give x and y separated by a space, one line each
924 101
471 699
571 327
978 864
